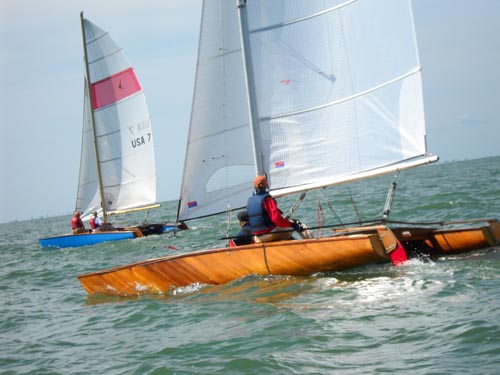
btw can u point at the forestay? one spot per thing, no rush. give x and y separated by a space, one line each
123 137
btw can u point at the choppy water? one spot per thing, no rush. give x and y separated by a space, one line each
439 317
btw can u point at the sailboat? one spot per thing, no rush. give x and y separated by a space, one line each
310 94
117 166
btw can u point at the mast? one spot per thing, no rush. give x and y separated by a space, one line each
92 119
250 84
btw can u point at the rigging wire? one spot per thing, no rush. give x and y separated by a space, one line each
354 207
146 217
321 220
330 207
228 211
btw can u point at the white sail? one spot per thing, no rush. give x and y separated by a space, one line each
219 168
123 135
338 92
88 198
335 95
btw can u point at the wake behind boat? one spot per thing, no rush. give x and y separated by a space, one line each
304 94
117 164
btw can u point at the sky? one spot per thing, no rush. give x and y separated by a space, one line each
41 87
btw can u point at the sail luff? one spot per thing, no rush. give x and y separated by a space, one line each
92 118
250 86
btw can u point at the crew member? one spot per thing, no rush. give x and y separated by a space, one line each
95 222
265 217
77 224
244 236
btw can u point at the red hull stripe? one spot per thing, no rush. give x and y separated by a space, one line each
116 87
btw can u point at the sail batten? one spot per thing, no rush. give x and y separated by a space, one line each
116 52
354 96
298 20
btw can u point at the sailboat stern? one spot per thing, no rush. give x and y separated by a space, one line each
384 243
306 257
463 240
435 242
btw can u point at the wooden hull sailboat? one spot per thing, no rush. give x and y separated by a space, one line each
300 92
434 242
117 164
349 248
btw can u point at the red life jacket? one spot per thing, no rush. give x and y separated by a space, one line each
76 222
92 222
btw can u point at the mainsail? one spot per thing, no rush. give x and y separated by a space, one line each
338 92
119 146
334 91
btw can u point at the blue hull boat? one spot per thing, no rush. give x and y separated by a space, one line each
117 126
86 239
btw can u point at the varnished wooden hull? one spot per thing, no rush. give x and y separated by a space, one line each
348 248
218 266
437 242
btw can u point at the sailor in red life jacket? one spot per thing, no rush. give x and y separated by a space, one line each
265 217
95 222
77 224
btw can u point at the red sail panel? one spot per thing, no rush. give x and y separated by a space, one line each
114 88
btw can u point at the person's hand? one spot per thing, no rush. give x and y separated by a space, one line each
297 226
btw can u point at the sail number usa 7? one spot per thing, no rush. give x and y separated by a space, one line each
136 129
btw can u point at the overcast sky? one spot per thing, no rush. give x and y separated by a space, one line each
41 87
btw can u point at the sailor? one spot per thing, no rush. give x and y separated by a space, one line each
77 224
95 222
244 236
265 217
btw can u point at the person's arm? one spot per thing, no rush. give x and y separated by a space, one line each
274 213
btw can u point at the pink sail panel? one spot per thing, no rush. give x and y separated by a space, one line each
114 88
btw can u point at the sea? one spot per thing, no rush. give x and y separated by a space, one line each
439 316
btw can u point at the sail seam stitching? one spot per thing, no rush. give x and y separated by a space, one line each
298 20
410 73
